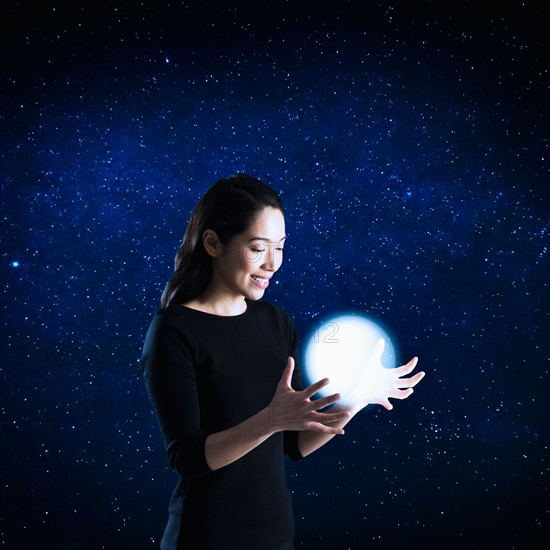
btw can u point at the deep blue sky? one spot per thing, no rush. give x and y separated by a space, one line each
409 142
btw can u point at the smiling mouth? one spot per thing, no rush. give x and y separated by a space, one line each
259 281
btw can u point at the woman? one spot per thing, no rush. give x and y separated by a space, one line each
219 367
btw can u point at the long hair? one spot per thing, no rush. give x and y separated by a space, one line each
228 207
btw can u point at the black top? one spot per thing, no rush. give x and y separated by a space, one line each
205 373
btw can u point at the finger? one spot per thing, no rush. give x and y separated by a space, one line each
331 418
386 404
408 368
410 382
402 394
287 374
314 388
378 350
323 402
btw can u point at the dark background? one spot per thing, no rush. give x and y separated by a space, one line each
409 142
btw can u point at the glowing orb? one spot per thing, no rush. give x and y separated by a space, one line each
339 348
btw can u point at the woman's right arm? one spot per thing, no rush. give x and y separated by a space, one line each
169 375
167 366
289 410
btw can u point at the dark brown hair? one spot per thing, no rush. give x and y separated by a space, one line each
228 207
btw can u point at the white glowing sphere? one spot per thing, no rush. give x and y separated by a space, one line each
339 348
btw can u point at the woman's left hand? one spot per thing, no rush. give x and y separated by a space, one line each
378 384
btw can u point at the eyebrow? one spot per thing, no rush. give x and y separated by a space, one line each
266 240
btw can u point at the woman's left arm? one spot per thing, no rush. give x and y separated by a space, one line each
377 386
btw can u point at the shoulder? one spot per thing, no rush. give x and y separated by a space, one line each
170 323
172 315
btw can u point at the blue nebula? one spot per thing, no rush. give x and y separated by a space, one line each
409 143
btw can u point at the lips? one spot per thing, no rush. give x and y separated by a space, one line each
262 282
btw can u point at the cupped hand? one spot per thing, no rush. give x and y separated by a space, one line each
378 384
295 410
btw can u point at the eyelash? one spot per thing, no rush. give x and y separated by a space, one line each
263 250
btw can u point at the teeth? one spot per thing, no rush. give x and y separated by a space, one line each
258 279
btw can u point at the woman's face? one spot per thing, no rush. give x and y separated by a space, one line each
250 259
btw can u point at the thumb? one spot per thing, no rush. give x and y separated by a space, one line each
287 374
378 350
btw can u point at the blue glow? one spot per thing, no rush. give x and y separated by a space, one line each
340 347
15 263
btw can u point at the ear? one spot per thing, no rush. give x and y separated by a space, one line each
212 243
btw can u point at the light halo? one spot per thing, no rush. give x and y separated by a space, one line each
339 347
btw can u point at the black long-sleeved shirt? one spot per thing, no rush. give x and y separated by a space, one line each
205 373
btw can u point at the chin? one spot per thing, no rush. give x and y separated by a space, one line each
255 295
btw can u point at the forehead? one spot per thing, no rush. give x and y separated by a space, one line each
268 225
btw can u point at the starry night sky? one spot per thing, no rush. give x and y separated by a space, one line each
409 143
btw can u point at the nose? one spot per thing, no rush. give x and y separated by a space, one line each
271 263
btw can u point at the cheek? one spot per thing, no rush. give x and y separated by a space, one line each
250 262
246 257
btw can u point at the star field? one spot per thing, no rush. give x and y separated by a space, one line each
409 143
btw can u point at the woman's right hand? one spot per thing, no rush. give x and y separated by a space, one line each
294 410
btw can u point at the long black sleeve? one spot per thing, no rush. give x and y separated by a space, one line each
171 383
